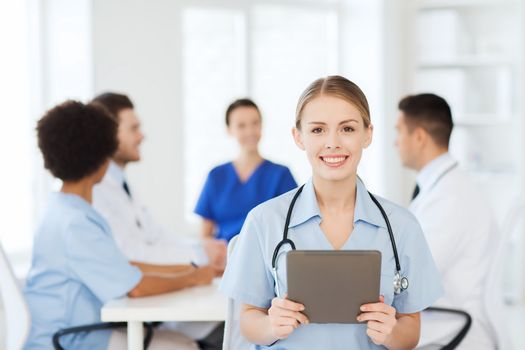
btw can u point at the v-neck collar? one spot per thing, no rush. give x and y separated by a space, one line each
251 175
365 210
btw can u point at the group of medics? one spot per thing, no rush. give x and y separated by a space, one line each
97 241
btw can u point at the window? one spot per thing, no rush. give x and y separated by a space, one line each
16 134
49 61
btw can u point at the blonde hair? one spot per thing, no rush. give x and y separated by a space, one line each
336 86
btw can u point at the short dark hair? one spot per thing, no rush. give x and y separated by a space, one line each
76 139
430 112
242 102
114 102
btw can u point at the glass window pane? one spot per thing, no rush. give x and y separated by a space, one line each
16 137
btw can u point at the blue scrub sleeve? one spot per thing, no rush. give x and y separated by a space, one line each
204 204
418 266
97 262
247 279
287 182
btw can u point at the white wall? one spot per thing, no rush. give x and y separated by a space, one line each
137 51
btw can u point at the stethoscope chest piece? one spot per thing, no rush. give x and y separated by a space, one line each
400 283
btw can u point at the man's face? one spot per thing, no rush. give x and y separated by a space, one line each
406 143
129 137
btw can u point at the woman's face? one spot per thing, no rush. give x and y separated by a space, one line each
245 126
333 134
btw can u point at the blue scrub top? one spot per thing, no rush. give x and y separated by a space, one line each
76 268
248 277
226 200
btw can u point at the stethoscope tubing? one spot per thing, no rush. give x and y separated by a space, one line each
286 240
400 283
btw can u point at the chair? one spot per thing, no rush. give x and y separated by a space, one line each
17 316
456 340
233 339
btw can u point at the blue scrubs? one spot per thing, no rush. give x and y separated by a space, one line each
248 277
226 200
76 268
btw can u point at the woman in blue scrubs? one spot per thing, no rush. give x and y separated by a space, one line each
233 189
76 265
333 212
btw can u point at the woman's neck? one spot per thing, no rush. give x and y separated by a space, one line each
335 196
248 159
82 188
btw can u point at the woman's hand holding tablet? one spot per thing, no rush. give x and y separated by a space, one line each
285 316
381 320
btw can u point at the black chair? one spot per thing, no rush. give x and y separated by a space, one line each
462 332
98 327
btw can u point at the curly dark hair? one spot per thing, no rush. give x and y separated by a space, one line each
76 139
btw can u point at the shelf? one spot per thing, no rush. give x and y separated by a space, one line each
471 52
483 120
475 4
468 61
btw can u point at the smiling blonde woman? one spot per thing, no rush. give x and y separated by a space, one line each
333 212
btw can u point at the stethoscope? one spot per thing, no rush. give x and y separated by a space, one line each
400 283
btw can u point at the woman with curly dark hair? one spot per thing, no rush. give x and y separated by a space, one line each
76 265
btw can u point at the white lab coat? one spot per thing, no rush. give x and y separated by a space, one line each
140 238
461 232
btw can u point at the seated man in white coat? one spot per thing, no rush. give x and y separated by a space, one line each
137 235
455 218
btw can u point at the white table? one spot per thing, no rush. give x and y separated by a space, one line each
203 303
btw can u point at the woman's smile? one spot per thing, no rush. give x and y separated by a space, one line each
334 160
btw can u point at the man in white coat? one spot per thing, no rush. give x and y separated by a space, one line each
455 218
135 231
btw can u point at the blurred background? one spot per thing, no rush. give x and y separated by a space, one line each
182 62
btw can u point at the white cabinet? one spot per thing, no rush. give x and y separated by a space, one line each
472 53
